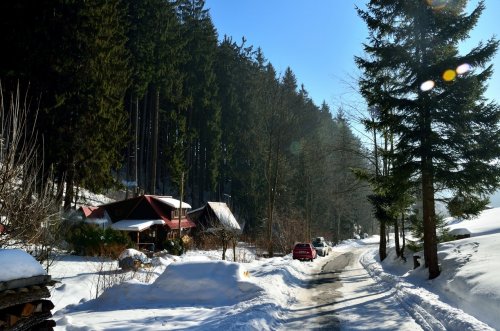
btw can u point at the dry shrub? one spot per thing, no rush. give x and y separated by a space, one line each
206 241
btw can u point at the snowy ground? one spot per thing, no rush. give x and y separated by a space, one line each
199 292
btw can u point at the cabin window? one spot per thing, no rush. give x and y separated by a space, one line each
175 213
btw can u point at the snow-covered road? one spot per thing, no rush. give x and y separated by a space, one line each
343 296
364 304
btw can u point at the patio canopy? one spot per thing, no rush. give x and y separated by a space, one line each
135 225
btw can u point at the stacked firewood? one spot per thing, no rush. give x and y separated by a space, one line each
24 304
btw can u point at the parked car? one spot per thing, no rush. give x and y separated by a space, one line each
318 240
322 248
304 251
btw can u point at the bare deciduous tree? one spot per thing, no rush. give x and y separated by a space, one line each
27 205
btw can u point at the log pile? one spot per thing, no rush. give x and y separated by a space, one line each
24 304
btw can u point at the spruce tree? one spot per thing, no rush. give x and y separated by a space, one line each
200 87
448 135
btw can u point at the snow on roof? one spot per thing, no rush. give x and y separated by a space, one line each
172 202
224 215
135 225
18 264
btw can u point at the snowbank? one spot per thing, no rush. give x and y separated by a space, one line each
422 304
211 283
16 264
466 295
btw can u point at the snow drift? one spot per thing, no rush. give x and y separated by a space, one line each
206 283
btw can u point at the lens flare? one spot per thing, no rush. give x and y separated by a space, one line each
463 68
449 75
427 85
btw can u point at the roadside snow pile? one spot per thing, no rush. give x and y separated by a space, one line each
186 284
348 244
468 281
423 305
16 264
197 291
470 276
283 276
488 222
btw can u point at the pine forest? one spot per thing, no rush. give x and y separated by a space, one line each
146 97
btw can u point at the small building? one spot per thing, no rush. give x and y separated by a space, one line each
94 215
213 217
150 219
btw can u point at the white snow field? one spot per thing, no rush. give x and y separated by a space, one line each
198 291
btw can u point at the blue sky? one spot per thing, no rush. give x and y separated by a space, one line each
319 39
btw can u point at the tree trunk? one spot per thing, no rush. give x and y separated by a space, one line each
136 148
224 248
382 249
234 249
68 196
272 185
154 158
143 151
403 235
429 221
338 227
396 237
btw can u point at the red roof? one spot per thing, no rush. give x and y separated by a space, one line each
146 207
174 224
92 212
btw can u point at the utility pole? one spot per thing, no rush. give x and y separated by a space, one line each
180 203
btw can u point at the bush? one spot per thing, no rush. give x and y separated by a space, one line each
90 240
415 246
174 246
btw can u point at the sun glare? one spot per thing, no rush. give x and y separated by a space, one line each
463 68
427 85
449 75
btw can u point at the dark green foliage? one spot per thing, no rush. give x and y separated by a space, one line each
466 206
448 136
90 240
150 84
174 246
73 56
417 229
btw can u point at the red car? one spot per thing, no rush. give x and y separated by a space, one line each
304 251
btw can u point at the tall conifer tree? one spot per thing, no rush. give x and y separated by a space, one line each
448 135
204 112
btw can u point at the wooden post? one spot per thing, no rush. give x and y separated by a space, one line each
180 203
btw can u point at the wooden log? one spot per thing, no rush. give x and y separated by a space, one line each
9 298
47 305
31 322
25 282
12 319
28 309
